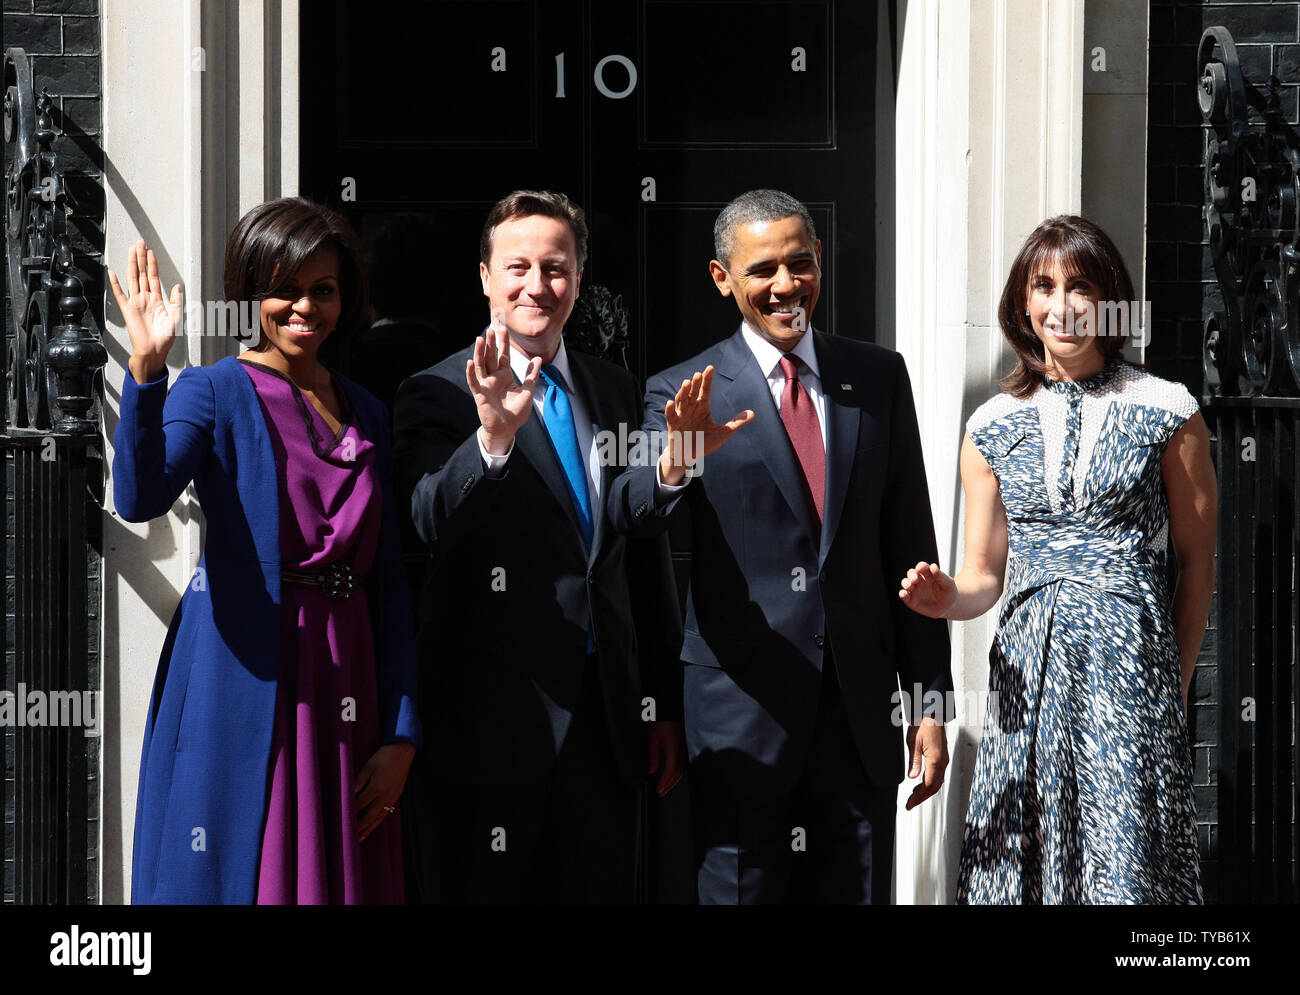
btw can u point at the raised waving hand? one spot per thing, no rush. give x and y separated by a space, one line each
503 405
692 432
150 323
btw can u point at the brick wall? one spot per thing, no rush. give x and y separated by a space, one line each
1180 276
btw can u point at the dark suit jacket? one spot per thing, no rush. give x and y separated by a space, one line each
767 595
503 613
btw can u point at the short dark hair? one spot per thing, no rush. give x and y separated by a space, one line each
273 241
1081 246
526 203
750 208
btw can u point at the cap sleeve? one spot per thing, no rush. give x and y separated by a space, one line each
1184 405
994 429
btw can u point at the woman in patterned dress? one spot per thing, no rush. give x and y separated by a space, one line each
1085 469
283 719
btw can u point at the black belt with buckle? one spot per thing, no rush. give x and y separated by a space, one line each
335 580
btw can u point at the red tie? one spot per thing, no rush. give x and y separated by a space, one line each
800 420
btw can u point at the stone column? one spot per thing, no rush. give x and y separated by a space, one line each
988 144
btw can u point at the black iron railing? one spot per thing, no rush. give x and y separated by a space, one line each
50 438
1252 368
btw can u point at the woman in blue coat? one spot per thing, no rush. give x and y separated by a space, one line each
283 718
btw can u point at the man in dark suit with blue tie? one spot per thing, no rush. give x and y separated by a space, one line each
807 497
548 641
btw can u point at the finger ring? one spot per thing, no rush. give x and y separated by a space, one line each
389 809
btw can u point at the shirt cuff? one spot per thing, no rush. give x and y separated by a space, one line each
493 466
667 492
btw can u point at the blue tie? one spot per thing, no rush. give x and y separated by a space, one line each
557 415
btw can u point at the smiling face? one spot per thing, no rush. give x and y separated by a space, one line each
1059 303
775 276
531 281
300 313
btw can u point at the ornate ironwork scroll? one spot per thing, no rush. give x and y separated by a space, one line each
1252 189
50 357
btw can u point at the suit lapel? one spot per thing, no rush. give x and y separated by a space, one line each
599 410
842 418
749 389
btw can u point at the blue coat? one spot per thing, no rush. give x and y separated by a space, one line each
204 768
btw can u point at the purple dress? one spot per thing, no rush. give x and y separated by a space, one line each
326 711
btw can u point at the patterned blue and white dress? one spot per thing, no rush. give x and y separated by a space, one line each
1083 782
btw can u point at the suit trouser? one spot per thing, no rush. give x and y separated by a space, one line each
568 837
830 840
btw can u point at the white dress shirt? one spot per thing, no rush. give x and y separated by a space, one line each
583 426
769 361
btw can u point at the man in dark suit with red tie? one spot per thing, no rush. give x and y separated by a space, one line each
807 496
